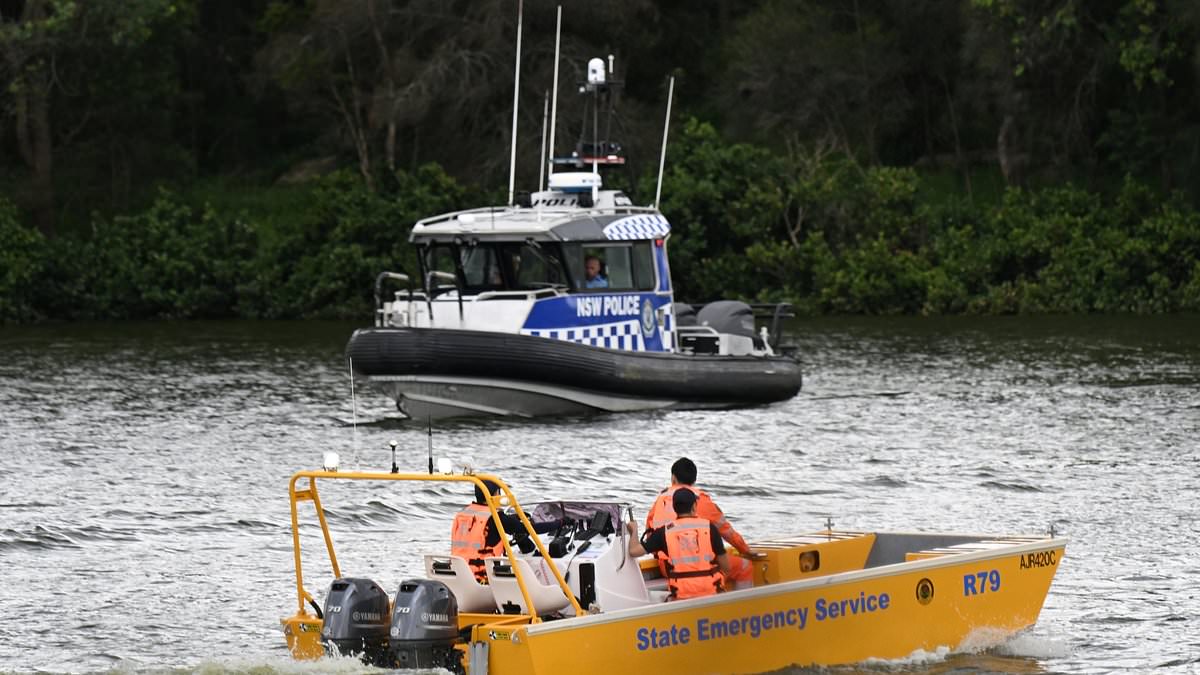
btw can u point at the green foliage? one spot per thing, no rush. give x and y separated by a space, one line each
720 199
325 264
170 261
22 252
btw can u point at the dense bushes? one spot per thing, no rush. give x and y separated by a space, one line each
823 233
22 256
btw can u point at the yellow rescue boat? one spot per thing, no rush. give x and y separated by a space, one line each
573 601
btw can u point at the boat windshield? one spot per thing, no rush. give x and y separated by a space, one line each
624 266
499 266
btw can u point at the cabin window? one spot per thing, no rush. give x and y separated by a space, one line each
441 258
531 266
626 266
481 267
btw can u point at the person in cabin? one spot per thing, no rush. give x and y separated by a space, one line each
474 537
593 267
696 562
683 479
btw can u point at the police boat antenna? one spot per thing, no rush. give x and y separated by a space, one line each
829 526
662 158
545 113
549 157
512 165
429 421
353 411
395 467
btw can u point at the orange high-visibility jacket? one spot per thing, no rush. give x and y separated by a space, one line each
662 512
692 569
468 538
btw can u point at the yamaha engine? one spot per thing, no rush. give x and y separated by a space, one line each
425 627
356 620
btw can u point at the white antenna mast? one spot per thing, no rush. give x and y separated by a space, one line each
662 159
512 166
353 410
554 105
545 111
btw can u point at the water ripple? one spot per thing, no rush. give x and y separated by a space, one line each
149 464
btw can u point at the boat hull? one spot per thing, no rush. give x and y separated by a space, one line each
451 373
970 601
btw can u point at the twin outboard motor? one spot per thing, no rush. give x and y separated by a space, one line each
424 627
420 631
356 620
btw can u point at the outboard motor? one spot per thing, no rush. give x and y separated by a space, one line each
425 627
356 620
685 314
728 316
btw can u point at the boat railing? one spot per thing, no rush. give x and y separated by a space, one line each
777 312
431 290
300 491
380 319
529 295
493 211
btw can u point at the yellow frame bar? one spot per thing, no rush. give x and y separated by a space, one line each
310 494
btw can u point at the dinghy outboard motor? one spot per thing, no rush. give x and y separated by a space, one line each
424 627
356 620
685 314
728 316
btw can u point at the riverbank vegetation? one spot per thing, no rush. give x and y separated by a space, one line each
266 159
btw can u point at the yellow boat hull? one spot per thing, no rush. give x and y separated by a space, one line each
820 599
883 613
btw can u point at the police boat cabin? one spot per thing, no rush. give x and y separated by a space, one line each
560 582
573 257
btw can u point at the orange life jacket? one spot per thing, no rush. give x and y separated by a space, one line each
468 538
663 512
692 570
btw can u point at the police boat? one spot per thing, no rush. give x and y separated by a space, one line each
573 600
561 302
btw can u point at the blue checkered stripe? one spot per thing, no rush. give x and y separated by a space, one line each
644 226
625 335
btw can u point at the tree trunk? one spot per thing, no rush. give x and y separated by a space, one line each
34 140
31 98
389 85
1007 167
958 153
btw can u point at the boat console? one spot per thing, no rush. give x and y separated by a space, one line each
588 545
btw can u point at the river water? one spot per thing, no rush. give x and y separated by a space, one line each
144 515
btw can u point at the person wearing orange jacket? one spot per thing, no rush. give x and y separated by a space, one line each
683 477
474 537
696 562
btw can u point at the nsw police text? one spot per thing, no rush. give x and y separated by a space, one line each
758 623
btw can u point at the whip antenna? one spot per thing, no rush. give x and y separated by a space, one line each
666 127
554 100
512 166
353 411
429 420
545 112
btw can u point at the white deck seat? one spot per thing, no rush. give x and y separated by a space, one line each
506 592
453 571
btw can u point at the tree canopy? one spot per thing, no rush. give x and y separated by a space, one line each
859 155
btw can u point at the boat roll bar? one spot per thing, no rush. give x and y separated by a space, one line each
299 492
776 311
398 276
445 276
